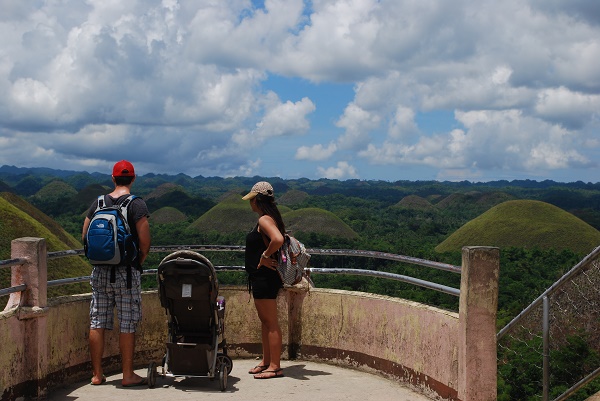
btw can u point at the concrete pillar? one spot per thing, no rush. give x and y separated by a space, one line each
478 306
295 299
32 309
33 273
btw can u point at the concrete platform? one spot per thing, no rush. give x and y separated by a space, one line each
303 380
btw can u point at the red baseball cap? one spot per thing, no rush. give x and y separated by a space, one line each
123 169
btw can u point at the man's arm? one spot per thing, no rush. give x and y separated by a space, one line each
143 230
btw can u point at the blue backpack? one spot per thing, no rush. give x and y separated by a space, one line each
109 240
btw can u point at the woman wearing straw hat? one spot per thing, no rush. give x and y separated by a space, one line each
264 282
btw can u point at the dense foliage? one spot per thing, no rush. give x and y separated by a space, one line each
403 217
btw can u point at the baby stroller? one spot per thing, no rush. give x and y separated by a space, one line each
189 292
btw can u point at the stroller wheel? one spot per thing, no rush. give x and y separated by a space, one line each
223 376
222 358
151 376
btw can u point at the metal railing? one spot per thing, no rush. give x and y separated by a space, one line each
561 325
235 248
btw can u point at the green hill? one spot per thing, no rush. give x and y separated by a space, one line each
526 224
174 196
54 198
164 189
316 220
414 202
20 219
231 215
56 189
476 199
83 200
167 215
4 187
293 197
234 215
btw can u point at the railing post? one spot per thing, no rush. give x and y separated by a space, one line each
478 305
546 349
295 300
33 273
32 308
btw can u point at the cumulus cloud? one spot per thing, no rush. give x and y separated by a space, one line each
572 109
286 119
166 81
342 170
316 152
491 141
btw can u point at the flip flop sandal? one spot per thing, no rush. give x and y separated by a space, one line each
269 374
257 369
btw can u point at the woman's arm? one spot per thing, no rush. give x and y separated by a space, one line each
267 227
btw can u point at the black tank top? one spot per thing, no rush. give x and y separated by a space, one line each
255 246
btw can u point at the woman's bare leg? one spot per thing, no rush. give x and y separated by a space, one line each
271 332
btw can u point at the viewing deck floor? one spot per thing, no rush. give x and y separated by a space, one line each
302 380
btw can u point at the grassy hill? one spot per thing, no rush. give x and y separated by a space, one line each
414 202
293 197
20 219
234 215
55 197
231 215
475 199
164 189
527 224
176 197
315 220
83 200
167 215
4 187
56 189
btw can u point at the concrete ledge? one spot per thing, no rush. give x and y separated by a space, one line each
447 355
404 341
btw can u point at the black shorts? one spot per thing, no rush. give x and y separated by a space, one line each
265 286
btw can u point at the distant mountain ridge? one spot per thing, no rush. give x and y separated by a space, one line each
9 170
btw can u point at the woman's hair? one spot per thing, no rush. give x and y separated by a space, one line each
267 205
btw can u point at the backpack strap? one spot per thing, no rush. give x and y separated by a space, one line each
101 202
124 205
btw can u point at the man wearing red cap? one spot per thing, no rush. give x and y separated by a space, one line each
110 292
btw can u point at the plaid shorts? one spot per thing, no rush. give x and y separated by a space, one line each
106 296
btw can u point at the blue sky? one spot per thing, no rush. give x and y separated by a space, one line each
344 89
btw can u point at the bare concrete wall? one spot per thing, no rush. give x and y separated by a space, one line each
411 342
450 355
334 323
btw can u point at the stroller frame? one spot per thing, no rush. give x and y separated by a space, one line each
188 290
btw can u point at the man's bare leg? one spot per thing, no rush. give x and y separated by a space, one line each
127 346
96 341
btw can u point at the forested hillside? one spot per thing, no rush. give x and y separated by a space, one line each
402 217
542 228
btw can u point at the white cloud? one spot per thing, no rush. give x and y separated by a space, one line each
358 123
571 108
342 170
402 124
316 152
205 82
493 141
286 119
